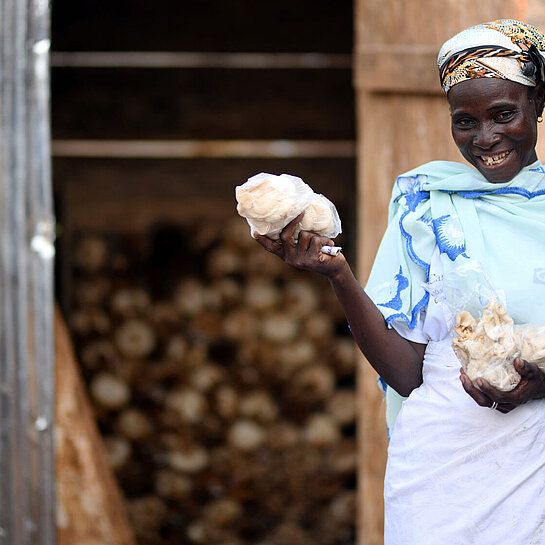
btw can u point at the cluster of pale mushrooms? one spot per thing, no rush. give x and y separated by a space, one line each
270 202
487 347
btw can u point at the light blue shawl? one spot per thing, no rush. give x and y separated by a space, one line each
452 206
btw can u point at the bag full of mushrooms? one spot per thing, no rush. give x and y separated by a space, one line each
269 202
486 340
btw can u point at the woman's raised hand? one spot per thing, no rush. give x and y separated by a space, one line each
531 386
306 253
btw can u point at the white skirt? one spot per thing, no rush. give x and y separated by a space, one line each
461 474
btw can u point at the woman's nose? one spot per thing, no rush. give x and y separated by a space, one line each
486 137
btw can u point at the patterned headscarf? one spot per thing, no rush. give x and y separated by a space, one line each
504 49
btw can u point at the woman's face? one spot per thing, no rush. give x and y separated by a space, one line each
494 125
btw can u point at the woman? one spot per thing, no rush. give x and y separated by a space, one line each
459 472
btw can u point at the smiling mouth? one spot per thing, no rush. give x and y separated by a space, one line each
491 160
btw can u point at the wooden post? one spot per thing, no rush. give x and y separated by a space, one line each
27 477
403 121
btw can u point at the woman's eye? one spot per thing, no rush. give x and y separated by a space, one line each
504 116
464 122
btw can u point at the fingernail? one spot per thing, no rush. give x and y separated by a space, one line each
479 383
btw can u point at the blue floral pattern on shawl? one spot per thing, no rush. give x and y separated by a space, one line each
451 206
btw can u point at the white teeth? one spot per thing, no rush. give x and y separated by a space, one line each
495 159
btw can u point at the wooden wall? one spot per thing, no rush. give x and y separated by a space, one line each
403 121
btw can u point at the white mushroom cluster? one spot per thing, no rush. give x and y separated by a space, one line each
487 347
269 202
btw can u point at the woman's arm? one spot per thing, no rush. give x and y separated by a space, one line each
397 360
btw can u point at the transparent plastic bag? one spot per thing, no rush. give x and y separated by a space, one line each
321 217
269 202
532 343
485 338
487 346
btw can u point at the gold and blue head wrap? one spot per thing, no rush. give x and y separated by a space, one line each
504 49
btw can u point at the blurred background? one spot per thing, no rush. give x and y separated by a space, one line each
223 382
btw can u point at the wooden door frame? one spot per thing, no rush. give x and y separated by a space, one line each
27 465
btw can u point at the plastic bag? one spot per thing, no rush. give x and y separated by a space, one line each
532 343
485 338
269 202
487 346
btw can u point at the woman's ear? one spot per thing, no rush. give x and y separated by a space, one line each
539 98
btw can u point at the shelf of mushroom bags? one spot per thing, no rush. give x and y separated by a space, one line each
223 384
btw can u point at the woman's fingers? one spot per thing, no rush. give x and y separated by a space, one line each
483 398
286 236
318 242
316 248
489 390
528 370
504 404
270 245
480 397
285 241
304 240
531 386
304 254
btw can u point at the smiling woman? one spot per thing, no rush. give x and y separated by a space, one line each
457 471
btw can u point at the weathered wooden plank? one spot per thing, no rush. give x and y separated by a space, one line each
184 149
27 488
90 507
191 59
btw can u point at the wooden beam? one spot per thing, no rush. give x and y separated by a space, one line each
181 59
172 149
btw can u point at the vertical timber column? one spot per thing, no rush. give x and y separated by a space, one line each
402 121
27 468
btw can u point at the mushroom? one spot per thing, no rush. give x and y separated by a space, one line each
134 425
130 303
189 404
488 347
109 391
321 430
118 451
91 253
246 435
135 338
